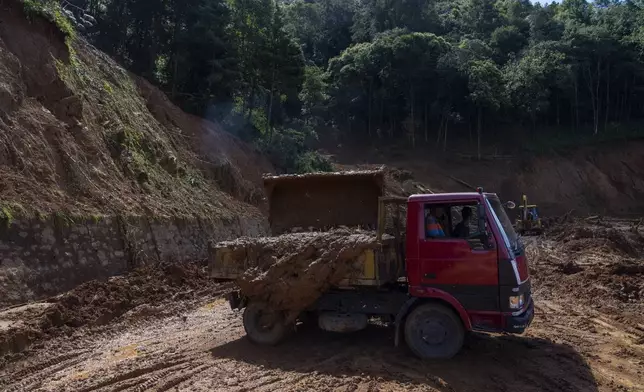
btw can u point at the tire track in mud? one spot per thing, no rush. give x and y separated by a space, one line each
141 379
166 367
204 350
33 376
63 360
176 380
170 355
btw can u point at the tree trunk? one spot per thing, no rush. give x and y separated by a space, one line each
426 134
607 96
175 57
382 114
250 106
576 103
622 111
593 97
347 121
269 128
558 111
413 119
629 107
620 103
175 70
597 96
478 134
445 133
244 103
370 108
572 114
392 122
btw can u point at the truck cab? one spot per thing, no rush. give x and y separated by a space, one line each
481 272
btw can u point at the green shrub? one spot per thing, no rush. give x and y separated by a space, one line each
288 149
51 11
312 161
6 216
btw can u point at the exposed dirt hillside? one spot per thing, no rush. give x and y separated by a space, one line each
81 135
605 179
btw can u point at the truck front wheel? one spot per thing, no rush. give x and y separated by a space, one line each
263 325
434 331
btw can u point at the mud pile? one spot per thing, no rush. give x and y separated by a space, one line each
291 271
144 292
600 263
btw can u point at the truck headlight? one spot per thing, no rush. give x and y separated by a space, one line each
517 301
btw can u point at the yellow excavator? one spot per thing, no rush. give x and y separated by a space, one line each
529 220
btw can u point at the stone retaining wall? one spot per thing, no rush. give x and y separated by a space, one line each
41 258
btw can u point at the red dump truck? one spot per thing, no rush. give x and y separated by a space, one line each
432 288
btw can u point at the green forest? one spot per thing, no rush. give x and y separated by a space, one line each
418 73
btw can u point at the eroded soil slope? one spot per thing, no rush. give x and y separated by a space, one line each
79 134
604 179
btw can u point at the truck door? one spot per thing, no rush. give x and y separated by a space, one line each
466 268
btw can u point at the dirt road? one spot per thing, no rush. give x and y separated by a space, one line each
588 335
204 350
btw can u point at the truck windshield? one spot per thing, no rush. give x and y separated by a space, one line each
506 223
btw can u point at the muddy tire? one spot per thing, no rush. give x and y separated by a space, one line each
434 331
263 325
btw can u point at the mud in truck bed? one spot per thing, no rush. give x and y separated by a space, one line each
291 271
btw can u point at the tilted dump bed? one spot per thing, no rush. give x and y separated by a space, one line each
320 201
311 212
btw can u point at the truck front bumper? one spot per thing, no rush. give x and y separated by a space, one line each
518 323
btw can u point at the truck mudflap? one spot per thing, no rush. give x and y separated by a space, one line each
518 324
236 300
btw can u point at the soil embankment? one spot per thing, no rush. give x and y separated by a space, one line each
80 135
143 293
604 179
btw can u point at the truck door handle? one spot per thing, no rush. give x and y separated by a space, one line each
430 276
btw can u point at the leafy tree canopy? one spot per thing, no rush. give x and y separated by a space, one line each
409 71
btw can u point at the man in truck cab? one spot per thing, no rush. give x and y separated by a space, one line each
433 228
462 230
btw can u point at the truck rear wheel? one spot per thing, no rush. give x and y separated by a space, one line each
263 325
307 320
434 331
